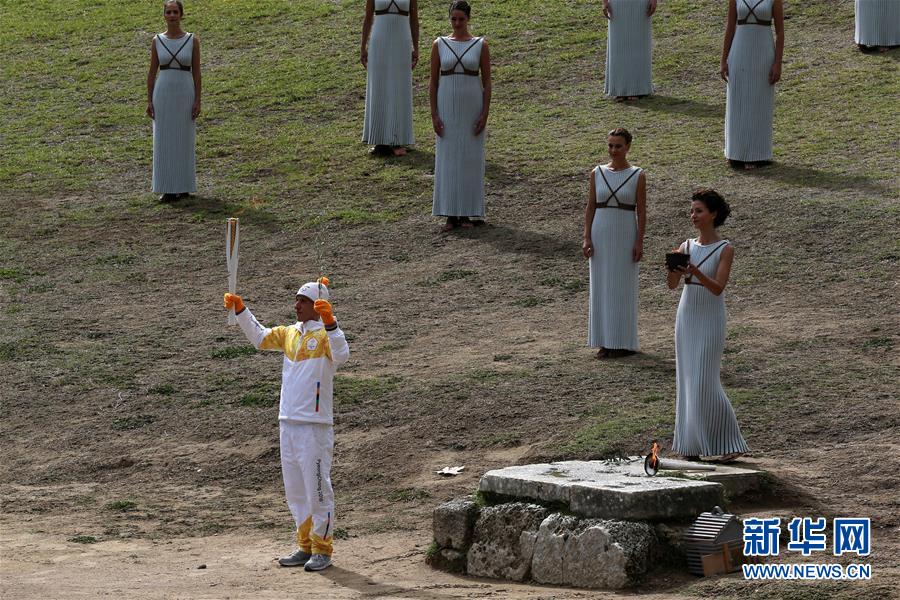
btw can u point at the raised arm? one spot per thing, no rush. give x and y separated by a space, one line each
340 350
195 72
641 214
367 28
151 78
587 246
778 17
414 30
433 88
262 338
730 26
481 123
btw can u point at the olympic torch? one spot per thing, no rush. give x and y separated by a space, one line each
232 242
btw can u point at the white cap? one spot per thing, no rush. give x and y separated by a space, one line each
311 290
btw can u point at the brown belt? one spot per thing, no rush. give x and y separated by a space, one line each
386 11
178 68
619 206
746 22
465 71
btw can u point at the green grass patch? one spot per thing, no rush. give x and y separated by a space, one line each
163 389
13 274
263 397
132 422
83 539
611 433
528 301
505 439
121 506
408 495
566 285
879 343
233 352
350 391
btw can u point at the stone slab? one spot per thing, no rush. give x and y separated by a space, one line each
617 489
592 553
453 523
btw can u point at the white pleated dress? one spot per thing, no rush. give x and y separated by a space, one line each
613 309
705 424
629 48
174 157
878 22
459 153
388 120
750 103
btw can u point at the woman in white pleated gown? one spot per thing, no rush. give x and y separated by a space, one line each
614 222
751 64
877 24
705 423
629 48
460 96
173 102
390 51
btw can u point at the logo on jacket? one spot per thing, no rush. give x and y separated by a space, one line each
312 344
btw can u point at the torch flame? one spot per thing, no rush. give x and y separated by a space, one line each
654 455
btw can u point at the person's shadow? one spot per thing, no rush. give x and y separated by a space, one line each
371 588
682 106
808 177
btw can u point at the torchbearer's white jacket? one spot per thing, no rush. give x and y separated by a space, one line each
312 354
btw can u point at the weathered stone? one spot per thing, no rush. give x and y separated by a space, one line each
453 523
592 553
503 543
610 489
448 559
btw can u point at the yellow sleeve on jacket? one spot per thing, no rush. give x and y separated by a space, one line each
262 338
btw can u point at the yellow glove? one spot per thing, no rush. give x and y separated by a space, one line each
233 301
323 307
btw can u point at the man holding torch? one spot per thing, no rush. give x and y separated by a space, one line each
313 347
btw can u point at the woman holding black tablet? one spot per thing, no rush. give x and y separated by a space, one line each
705 424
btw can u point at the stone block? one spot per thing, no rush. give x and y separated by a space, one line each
448 559
453 523
592 553
503 544
605 490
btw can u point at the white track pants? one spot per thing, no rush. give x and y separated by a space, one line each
306 452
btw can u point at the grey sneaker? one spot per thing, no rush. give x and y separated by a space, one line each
318 562
294 560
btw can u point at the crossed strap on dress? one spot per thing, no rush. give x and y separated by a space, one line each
174 56
388 11
757 20
688 280
613 192
452 70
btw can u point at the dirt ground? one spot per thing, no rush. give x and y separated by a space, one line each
153 454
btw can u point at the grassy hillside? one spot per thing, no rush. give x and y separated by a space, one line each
122 381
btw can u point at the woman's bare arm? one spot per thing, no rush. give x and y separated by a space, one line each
587 246
151 78
730 26
641 209
367 28
481 123
195 72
